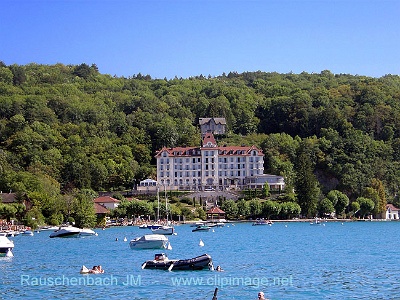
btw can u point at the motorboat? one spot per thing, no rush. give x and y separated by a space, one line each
87 232
166 230
201 228
149 241
262 222
6 247
197 224
150 226
316 222
27 232
66 232
48 228
9 233
161 261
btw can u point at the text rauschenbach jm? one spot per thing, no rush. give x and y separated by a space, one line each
136 280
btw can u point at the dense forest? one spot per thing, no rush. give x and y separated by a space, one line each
70 130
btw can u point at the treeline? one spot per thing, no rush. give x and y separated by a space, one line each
65 128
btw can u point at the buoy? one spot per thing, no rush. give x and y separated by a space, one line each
201 243
286 226
9 253
116 239
125 239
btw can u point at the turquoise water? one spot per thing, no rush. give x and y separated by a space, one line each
356 260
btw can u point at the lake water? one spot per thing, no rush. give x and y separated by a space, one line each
354 260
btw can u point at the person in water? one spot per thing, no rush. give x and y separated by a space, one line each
261 296
219 269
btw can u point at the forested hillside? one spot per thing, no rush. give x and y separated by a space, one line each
68 127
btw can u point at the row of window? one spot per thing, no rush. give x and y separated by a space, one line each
210 167
211 160
211 173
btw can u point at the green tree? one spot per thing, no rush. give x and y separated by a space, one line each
255 208
372 194
243 208
290 210
270 208
325 207
83 209
306 184
366 206
230 208
339 200
380 207
265 191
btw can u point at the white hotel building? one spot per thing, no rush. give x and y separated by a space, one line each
213 167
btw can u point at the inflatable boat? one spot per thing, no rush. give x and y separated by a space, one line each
161 261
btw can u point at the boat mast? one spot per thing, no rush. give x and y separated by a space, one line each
158 203
166 207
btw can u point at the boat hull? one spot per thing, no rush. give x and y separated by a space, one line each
165 230
152 241
67 232
201 228
197 263
6 246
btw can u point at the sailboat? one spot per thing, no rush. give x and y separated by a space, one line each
166 229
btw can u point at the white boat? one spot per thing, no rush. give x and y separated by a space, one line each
149 241
70 231
27 232
6 247
66 232
316 222
48 228
87 232
9 233
198 224
165 230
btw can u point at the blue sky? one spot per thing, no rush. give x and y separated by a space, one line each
187 38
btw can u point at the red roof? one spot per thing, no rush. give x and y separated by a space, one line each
106 199
391 207
100 209
209 138
215 210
